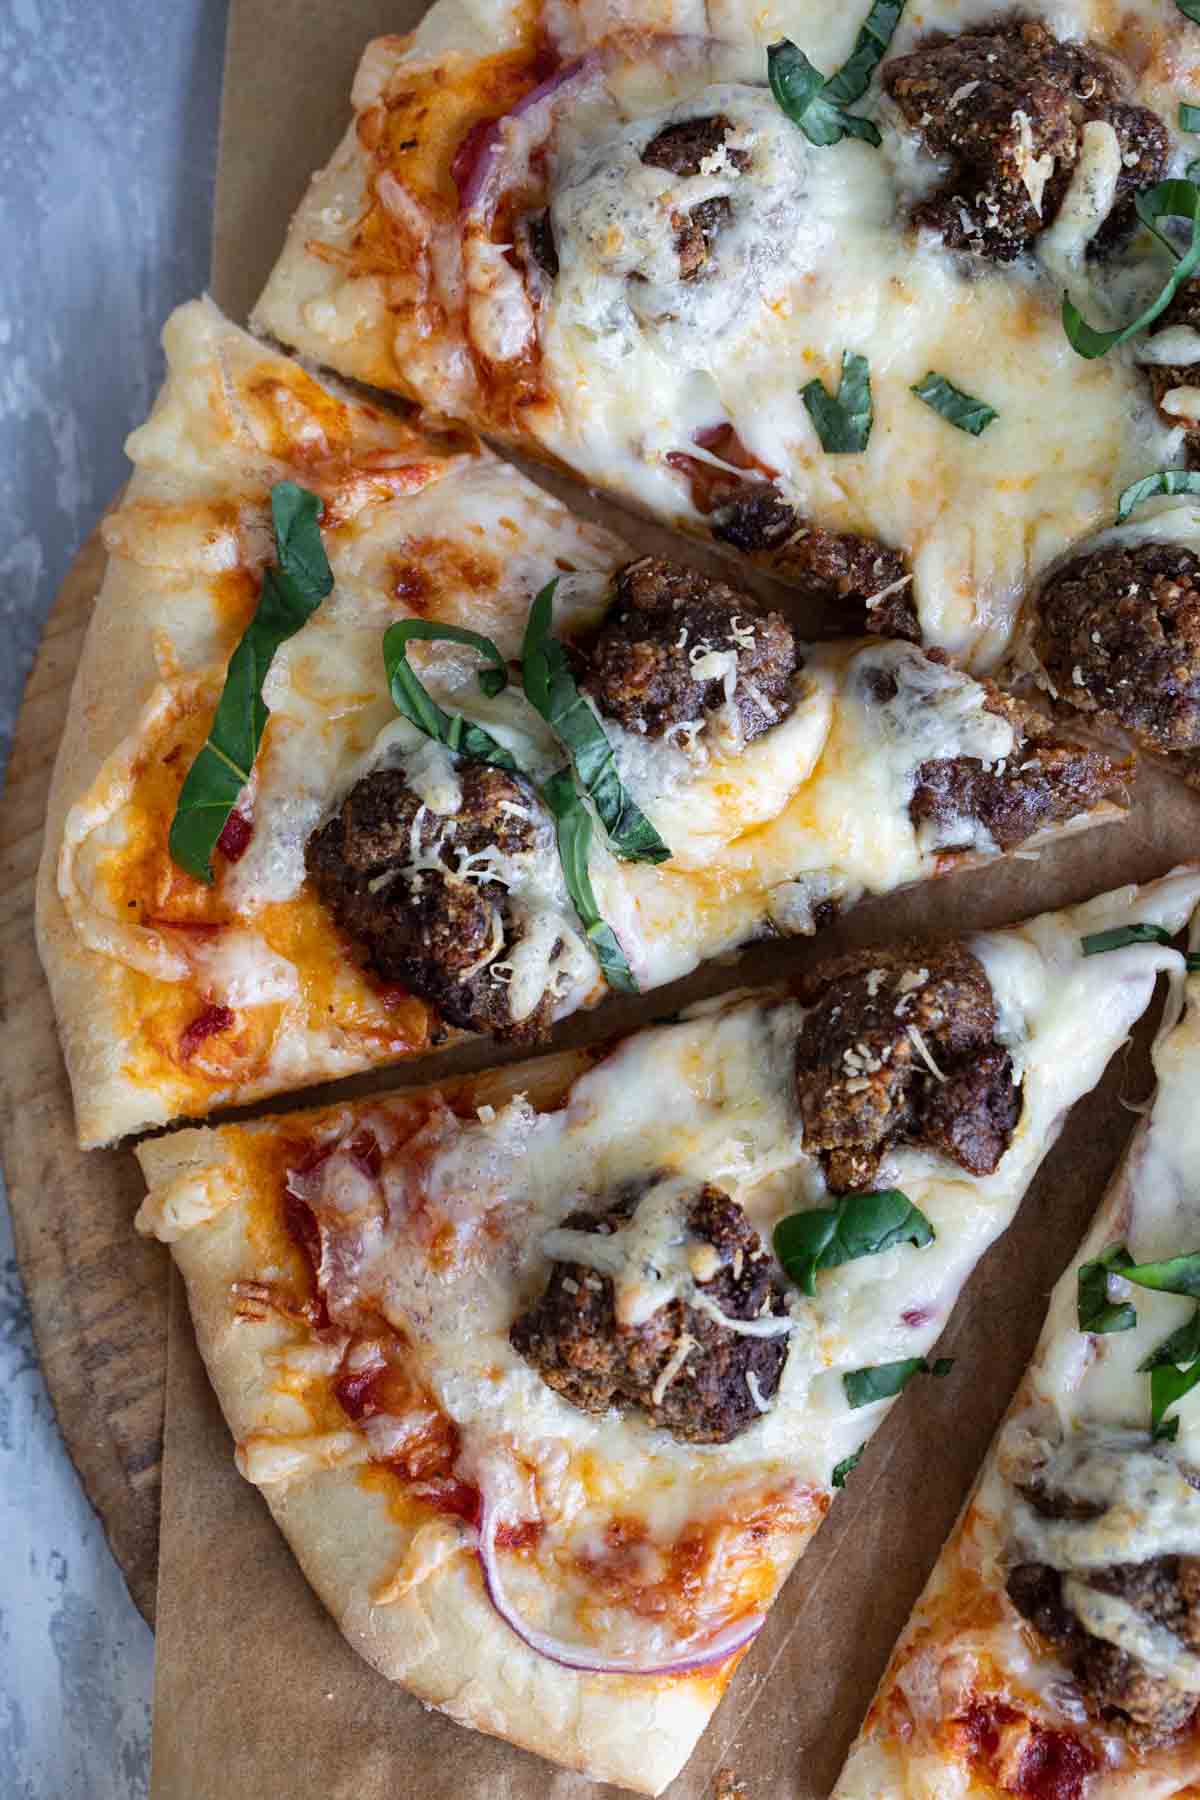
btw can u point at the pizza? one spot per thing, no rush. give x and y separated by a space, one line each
373 742
1054 1651
550 1375
790 278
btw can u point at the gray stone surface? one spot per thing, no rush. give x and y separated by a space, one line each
108 116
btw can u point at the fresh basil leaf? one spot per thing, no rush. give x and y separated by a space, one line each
853 79
843 420
1192 962
1193 170
1166 200
550 689
574 829
1097 942
884 1380
411 697
1189 116
1166 481
1181 1348
1174 1369
842 1469
1096 1312
957 408
1173 1275
1190 10
292 589
818 106
858 1225
1166 1431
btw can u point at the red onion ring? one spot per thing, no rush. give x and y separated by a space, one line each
569 1656
476 181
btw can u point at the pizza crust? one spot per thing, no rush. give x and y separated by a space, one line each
441 1640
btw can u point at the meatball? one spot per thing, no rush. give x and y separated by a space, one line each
1183 309
1008 108
1166 1589
854 574
682 149
1047 778
690 1374
898 1047
397 877
1118 633
647 667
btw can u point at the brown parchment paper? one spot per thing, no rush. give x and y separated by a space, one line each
256 1694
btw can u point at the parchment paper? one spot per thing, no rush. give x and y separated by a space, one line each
257 1695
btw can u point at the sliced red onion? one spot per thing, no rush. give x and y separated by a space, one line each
718 1649
482 183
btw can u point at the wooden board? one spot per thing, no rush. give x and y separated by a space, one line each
97 1292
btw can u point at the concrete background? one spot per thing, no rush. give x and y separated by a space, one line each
108 119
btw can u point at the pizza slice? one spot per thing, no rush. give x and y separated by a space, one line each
543 1418
1055 1651
373 741
818 321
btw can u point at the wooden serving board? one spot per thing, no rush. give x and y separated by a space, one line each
97 1292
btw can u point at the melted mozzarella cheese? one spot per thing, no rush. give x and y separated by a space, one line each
710 1098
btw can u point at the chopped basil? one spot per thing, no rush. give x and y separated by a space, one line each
842 1469
292 589
1097 942
864 1386
1166 481
1173 1275
550 689
818 106
1174 1369
574 828
857 1225
413 699
958 409
1189 116
1096 1311
1166 200
843 420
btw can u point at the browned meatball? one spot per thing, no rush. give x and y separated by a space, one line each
1118 632
664 619
1008 106
1046 779
898 1047
415 924
857 575
1183 309
681 149
1166 1589
573 1339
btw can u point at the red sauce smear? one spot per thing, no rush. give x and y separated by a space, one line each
235 837
207 1023
712 487
426 1461
1054 1764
